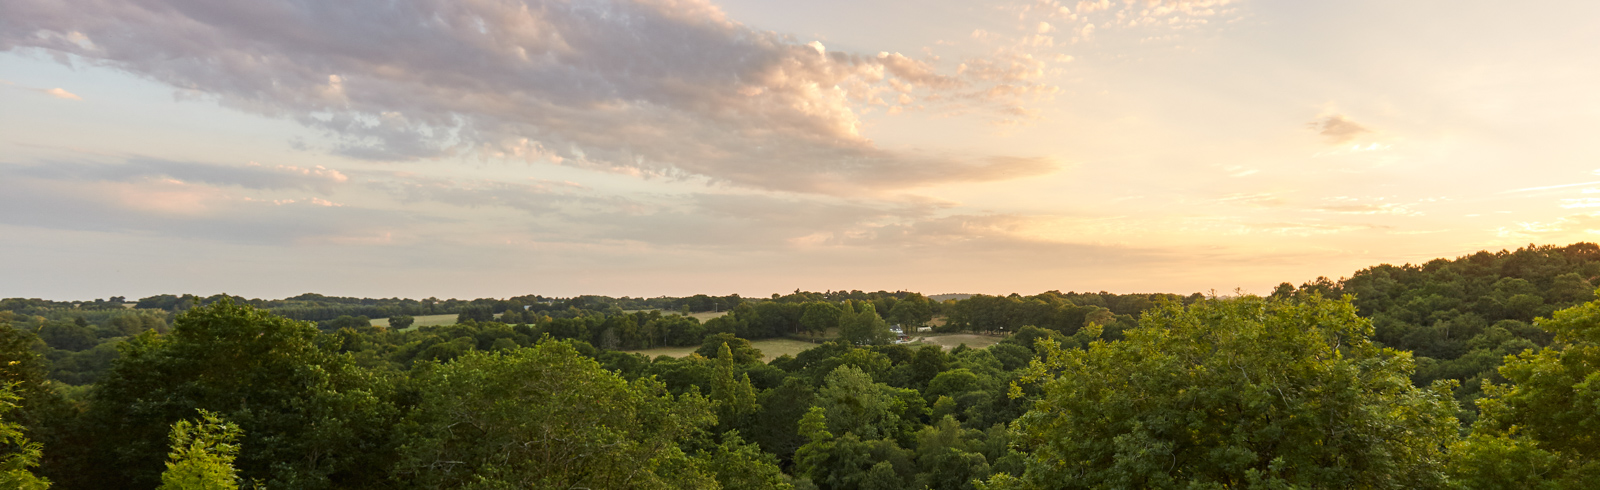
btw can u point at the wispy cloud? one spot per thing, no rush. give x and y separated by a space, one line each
1260 199
61 93
1550 187
1564 227
1337 129
186 211
249 175
1369 206
58 92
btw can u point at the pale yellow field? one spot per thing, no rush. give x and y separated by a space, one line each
702 316
450 319
707 315
422 321
950 341
770 349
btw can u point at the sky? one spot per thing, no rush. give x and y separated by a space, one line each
495 148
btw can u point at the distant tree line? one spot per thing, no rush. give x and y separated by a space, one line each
1462 317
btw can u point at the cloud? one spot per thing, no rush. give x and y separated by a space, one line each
1338 129
1549 187
539 198
1563 227
742 223
1234 225
648 87
269 204
57 92
1005 67
61 93
1352 205
249 176
1262 199
187 211
724 221
1370 208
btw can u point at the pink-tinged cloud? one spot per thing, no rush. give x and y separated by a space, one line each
61 93
248 176
645 87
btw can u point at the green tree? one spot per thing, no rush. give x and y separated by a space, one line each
131 323
67 335
929 361
911 313
847 462
310 417
946 459
1235 392
202 455
855 404
739 465
743 352
777 425
883 476
735 397
475 313
547 417
401 322
1544 419
17 453
1483 460
863 327
819 317
359 323
23 369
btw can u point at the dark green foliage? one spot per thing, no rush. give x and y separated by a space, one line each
1460 317
1052 310
733 396
475 313
1233 393
739 465
948 456
1238 393
359 323
1029 336
777 425
848 461
911 312
1538 428
134 323
71 336
743 352
547 417
861 325
310 418
819 317
83 367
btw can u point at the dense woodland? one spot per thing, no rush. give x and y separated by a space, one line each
1474 372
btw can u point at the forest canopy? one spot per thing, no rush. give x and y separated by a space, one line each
1474 372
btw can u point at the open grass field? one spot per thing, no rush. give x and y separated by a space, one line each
702 316
774 348
422 321
707 315
950 341
770 349
450 319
